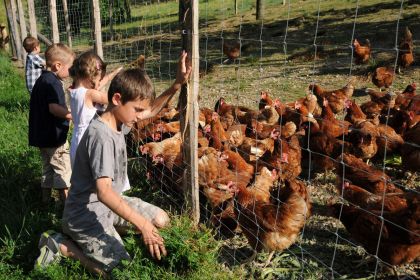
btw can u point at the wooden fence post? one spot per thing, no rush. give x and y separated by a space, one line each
54 22
66 18
11 15
97 38
259 10
13 44
32 19
188 18
111 28
22 24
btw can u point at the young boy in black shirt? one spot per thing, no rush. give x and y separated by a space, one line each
49 121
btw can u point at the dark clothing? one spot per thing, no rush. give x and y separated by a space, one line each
45 129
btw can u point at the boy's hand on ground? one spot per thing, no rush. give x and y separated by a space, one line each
153 241
184 70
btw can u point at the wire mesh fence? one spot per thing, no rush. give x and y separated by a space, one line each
318 178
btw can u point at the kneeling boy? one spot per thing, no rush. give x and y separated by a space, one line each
95 211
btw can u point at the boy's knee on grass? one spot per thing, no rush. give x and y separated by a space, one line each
161 219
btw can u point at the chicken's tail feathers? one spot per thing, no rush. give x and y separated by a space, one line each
367 43
288 129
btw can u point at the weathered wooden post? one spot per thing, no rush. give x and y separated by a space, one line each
54 22
11 15
4 38
66 18
32 20
111 28
259 12
97 36
22 24
13 44
188 18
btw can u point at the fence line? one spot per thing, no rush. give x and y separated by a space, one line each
121 31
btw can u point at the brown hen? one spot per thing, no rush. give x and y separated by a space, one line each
410 151
336 98
329 125
324 147
266 225
361 174
383 77
361 54
394 239
390 201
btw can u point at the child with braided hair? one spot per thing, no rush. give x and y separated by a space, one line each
89 77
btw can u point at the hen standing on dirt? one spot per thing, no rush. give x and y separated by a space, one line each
405 53
361 54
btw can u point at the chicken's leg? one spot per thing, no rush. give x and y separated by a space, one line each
364 261
397 277
250 260
267 261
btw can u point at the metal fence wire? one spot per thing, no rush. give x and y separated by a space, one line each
305 166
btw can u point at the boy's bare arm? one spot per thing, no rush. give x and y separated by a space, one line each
181 78
116 203
44 64
59 111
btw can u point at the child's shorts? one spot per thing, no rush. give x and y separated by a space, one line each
107 248
56 170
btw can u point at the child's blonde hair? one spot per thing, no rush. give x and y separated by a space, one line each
87 65
58 52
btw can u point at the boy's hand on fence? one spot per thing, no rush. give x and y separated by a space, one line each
184 71
153 241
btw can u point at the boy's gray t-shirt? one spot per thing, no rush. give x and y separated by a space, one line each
101 153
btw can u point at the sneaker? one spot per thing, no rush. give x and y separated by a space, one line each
49 247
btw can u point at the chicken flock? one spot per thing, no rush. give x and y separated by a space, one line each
250 160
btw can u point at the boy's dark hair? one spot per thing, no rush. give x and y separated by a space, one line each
87 65
58 52
30 43
132 84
